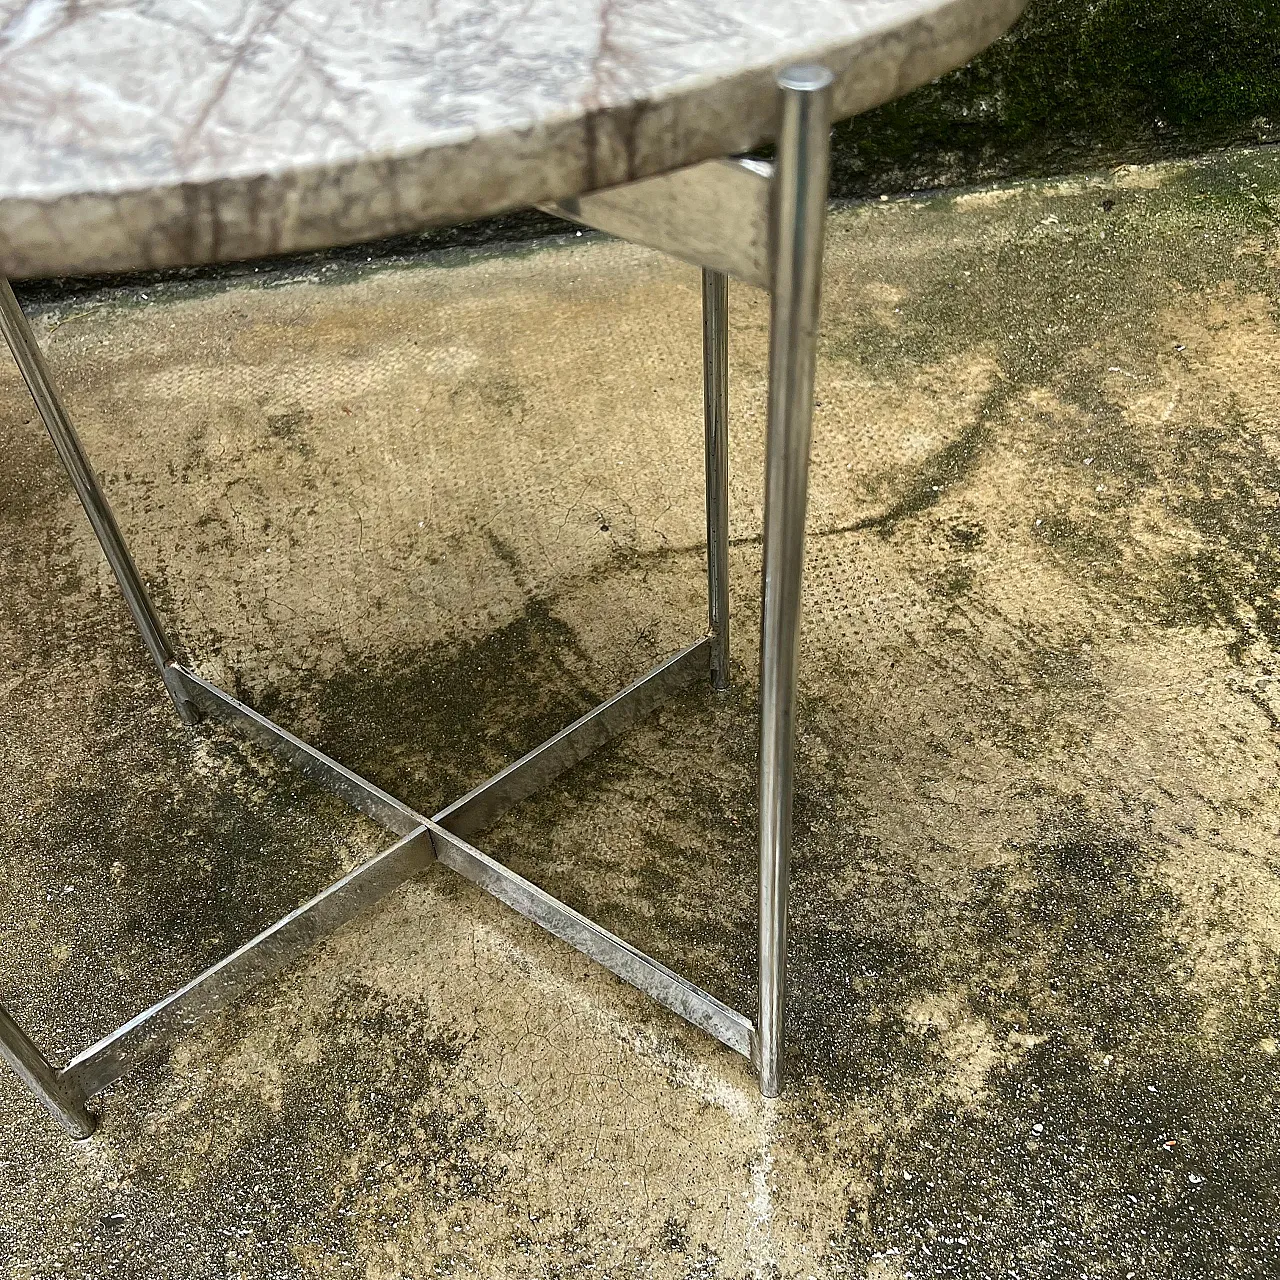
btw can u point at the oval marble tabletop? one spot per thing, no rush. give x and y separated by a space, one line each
144 133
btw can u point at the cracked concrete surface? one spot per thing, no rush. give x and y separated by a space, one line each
426 512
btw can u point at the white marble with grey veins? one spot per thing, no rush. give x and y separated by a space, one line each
142 133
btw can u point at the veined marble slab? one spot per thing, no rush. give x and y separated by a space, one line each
144 133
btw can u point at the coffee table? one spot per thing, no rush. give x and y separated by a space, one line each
135 135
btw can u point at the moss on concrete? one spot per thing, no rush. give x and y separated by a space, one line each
1077 84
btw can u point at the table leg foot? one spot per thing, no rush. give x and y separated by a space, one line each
60 1098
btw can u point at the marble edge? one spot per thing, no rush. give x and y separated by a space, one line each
252 215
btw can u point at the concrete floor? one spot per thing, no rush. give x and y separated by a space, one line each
427 512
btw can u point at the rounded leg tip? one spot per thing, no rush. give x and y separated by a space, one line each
807 77
81 1125
187 710
86 1135
770 1081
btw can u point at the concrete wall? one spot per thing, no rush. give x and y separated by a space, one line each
1079 84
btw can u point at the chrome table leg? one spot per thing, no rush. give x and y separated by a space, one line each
26 353
715 407
799 215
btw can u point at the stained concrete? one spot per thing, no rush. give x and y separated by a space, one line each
426 512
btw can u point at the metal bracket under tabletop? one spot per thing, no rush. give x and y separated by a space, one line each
714 215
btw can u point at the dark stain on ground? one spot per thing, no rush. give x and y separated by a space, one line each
428 724
1230 581
685 892
379 1115
951 464
654 836
115 827
1120 1143
1074 1171
289 427
990 284
119 836
1219 478
674 1238
1215 475
1118 1138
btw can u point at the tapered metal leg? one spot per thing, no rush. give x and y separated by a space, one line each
26 353
64 1102
715 406
799 216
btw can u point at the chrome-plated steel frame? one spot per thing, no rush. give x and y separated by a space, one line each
30 361
757 222
799 215
715 410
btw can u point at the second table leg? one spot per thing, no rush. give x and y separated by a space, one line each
715 404
30 361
